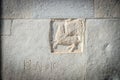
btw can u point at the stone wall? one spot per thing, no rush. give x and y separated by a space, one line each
25 40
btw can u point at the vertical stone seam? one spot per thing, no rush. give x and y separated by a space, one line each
11 27
94 11
49 35
85 47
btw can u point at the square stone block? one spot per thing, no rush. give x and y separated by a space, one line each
67 35
17 8
107 8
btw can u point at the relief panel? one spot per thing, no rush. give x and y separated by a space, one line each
67 35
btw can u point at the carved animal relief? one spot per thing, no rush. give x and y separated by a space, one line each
67 36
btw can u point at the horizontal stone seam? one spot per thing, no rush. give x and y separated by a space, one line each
94 17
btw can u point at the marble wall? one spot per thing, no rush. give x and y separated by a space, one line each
25 40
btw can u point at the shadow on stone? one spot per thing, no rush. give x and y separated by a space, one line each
0 41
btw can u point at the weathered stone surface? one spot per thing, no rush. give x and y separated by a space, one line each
27 56
103 49
63 8
17 8
5 27
107 8
47 8
67 35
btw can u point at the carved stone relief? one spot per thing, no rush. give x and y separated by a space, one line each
67 35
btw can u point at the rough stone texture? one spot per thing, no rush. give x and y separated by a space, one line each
17 8
107 8
26 53
5 27
47 8
63 8
103 49
27 56
25 48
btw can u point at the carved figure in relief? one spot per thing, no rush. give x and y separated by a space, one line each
69 34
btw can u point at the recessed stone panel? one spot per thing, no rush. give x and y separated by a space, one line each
67 35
